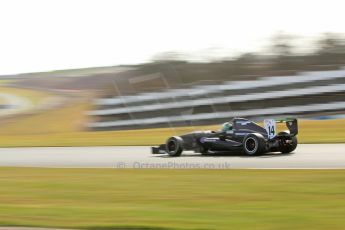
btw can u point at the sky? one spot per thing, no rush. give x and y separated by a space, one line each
44 35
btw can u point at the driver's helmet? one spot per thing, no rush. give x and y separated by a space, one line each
227 126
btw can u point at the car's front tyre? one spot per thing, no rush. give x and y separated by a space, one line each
174 146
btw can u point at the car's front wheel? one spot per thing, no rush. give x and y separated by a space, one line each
174 146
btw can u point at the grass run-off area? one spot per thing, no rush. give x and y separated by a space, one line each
34 96
172 199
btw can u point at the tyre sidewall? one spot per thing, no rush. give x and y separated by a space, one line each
259 141
178 142
289 148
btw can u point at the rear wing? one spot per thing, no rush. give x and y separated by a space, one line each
270 126
291 124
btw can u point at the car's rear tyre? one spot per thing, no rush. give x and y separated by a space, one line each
254 144
174 146
288 148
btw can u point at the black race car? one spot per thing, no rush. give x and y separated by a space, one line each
240 135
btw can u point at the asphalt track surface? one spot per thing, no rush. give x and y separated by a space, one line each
306 156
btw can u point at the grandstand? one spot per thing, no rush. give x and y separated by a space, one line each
304 94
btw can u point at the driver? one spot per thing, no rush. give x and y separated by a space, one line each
227 126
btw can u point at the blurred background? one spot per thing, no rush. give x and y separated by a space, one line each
81 73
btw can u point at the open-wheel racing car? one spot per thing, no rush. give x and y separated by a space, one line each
239 135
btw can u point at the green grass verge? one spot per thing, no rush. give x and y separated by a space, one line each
58 133
34 96
172 199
